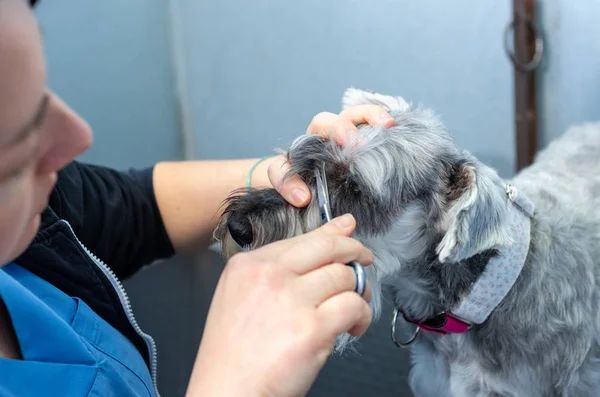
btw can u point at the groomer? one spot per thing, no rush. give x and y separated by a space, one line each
69 231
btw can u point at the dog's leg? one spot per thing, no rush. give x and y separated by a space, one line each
429 376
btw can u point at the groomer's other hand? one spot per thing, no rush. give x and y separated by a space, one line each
276 313
340 127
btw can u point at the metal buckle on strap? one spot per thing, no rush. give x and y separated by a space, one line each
511 193
408 342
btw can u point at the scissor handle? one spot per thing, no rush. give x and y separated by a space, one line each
361 277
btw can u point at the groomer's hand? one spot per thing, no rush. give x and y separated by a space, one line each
342 128
276 313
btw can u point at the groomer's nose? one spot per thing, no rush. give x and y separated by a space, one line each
64 134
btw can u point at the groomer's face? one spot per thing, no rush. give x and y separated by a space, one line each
39 134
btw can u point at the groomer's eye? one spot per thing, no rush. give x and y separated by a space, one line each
29 152
12 174
42 112
18 171
25 157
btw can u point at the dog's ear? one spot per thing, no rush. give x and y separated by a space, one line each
354 96
475 219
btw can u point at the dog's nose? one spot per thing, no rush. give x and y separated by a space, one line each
240 229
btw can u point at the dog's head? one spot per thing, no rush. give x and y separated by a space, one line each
430 211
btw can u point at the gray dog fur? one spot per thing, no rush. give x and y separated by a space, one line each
434 215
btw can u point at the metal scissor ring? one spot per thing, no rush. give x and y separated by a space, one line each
407 343
539 47
361 277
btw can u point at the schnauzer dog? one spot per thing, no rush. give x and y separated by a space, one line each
501 278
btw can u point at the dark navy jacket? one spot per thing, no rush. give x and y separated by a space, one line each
101 226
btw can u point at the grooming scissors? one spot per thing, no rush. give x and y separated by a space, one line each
325 208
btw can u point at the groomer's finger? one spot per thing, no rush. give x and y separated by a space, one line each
293 190
328 244
368 114
327 281
345 312
340 226
332 126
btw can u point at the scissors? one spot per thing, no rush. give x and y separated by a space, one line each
323 197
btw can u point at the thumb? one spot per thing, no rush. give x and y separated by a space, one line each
292 189
342 225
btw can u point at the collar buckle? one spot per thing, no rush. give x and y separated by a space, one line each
442 324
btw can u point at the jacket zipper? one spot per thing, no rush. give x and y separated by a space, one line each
124 298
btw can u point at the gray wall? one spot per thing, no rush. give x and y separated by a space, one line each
110 60
261 70
258 71
569 81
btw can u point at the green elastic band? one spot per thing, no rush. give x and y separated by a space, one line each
249 179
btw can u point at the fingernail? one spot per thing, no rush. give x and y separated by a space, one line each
350 136
299 195
387 120
343 221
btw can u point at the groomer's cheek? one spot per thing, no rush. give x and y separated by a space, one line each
65 135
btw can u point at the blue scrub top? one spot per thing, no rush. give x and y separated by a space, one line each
68 350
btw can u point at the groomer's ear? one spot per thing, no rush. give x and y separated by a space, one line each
354 96
475 216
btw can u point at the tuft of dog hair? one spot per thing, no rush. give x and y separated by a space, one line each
434 216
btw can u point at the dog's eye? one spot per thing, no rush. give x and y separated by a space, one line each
240 229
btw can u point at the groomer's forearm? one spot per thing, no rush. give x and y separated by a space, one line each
190 195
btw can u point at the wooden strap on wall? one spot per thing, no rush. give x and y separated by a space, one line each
526 56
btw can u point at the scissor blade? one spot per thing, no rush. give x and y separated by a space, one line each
325 186
322 197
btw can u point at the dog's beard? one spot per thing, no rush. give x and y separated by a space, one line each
257 217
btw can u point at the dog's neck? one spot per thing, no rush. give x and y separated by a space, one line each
502 271
495 280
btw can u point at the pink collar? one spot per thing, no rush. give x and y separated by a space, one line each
444 323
